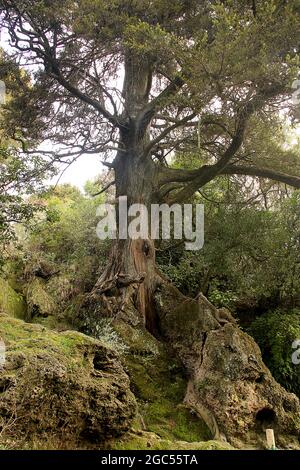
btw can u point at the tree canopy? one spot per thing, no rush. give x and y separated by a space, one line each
211 79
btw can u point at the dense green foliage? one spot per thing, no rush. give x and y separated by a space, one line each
59 254
250 254
21 176
19 179
275 333
66 235
250 264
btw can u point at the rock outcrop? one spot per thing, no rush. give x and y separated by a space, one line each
39 302
60 387
229 386
11 302
159 384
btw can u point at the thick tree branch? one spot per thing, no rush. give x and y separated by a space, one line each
255 104
200 177
268 173
179 175
114 120
203 175
38 43
104 189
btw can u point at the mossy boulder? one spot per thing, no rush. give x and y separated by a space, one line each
11 302
63 386
39 302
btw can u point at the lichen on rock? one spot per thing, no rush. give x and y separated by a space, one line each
63 386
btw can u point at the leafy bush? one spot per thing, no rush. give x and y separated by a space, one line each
20 183
222 299
60 248
66 238
275 332
104 331
251 253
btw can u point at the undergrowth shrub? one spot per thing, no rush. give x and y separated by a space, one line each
275 333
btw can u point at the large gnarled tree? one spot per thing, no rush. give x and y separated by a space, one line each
143 81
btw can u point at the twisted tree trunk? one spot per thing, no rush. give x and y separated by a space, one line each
229 386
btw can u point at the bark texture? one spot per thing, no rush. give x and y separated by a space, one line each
229 385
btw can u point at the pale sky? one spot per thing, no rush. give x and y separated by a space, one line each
87 167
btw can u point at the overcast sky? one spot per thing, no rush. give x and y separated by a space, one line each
87 167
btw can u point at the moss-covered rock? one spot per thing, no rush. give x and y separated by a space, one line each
63 386
11 302
39 302
159 384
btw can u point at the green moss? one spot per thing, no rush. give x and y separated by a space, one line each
30 339
159 384
170 422
52 322
66 386
151 441
39 302
11 302
138 340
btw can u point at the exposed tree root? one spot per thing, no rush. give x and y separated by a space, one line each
229 385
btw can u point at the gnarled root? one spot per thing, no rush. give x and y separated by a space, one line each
230 387
109 296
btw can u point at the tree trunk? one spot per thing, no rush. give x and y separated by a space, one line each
223 364
131 274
